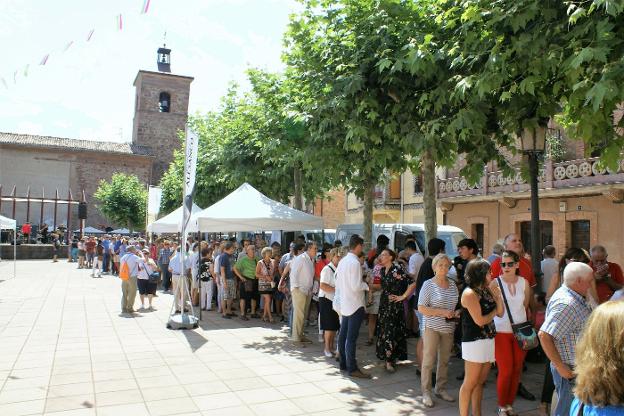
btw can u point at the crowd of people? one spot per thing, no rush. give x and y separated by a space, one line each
489 312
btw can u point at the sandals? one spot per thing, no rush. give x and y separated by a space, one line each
244 318
370 342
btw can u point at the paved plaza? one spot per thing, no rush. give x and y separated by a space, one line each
65 350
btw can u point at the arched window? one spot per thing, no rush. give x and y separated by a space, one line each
164 102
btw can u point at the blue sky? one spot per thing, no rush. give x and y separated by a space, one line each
86 91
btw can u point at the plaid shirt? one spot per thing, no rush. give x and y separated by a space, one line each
566 314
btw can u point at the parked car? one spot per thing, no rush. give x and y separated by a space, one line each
398 233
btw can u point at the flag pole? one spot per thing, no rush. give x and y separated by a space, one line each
183 320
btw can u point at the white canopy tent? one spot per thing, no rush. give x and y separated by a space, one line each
171 223
246 209
10 224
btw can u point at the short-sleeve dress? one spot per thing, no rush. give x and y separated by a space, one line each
391 327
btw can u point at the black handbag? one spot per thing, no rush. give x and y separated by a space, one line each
524 333
154 277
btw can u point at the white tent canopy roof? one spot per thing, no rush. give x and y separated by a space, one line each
171 222
246 209
7 223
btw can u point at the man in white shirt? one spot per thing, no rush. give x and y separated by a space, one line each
301 282
415 259
178 273
129 286
350 289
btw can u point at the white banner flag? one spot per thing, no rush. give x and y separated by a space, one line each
190 161
190 169
153 200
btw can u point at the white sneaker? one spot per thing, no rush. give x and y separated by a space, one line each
328 354
427 400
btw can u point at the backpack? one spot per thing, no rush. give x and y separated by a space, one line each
124 271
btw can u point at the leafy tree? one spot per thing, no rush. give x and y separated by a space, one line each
594 68
123 200
253 138
377 84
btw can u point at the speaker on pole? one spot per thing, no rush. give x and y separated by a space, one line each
82 211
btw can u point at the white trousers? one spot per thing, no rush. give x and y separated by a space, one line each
97 264
205 296
177 291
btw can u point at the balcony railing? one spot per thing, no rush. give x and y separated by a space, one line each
568 174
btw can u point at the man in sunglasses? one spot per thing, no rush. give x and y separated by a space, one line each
512 242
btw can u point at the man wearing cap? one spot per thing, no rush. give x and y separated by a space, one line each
129 286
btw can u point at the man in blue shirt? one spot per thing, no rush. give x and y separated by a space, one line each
106 243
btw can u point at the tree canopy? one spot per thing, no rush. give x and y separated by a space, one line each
123 200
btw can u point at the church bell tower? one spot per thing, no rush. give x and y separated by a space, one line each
160 111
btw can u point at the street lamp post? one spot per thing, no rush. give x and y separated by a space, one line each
533 141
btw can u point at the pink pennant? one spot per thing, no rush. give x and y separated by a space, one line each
120 22
45 59
146 5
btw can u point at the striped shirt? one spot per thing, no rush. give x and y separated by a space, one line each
433 296
566 314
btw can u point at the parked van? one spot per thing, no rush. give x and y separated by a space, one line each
398 233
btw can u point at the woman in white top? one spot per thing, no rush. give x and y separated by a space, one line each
509 355
147 266
329 321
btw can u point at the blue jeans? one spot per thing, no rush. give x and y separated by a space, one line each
106 262
349 331
564 391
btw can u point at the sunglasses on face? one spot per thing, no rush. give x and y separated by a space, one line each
508 264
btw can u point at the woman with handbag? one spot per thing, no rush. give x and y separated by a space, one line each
516 294
147 279
480 305
265 269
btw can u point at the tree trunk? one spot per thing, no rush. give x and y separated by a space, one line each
298 197
429 195
368 214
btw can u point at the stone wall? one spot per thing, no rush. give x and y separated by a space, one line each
31 252
80 170
155 129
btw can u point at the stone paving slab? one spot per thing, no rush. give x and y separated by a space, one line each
66 350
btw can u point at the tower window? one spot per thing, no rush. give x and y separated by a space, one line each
164 102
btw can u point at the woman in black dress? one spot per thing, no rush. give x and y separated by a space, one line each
396 286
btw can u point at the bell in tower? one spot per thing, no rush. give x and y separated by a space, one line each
164 59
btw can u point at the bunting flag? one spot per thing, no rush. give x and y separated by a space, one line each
90 34
26 70
146 4
45 59
68 46
5 83
119 22
15 77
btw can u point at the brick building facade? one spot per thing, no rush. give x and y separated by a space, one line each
49 163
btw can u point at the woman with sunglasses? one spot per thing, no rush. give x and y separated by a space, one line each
509 355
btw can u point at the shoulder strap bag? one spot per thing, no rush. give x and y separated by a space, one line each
524 333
